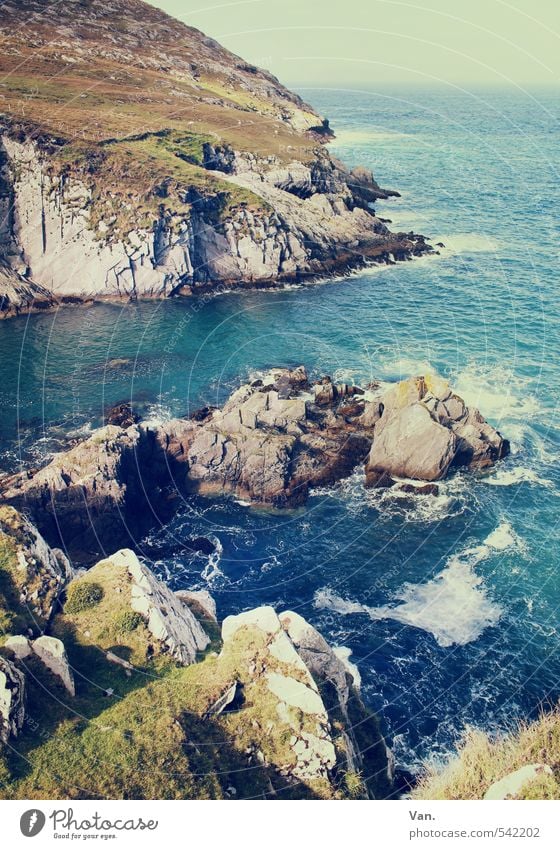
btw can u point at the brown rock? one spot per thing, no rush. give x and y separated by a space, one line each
408 443
121 415
424 429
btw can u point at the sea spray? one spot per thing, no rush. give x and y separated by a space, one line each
454 606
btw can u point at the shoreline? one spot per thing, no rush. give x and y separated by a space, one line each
339 271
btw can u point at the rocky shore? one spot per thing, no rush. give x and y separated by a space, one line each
274 439
139 694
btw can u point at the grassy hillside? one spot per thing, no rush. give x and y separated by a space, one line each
86 71
481 762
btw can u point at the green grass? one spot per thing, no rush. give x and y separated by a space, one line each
82 596
143 731
136 181
481 761
146 735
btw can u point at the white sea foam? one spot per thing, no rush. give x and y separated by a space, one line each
344 138
467 243
519 474
81 432
454 606
344 654
157 414
454 498
212 569
405 366
497 392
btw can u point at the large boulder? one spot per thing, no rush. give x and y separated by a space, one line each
52 652
411 444
511 785
424 430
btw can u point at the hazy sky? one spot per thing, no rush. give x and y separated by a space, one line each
465 42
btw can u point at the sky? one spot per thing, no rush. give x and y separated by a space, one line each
465 43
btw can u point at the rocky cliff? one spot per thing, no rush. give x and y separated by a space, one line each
132 691
138 158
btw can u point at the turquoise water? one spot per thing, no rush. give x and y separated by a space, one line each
449 604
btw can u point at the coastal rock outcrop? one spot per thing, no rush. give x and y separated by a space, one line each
271 441
340 692
311 693
19 295
425 429
279 436
274 714
117 199
93 495
122 608
274 439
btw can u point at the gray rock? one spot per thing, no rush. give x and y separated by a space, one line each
410 444
223 702
52 653
19 646
169 621
41 572
200 599
424 429
511 785
12 700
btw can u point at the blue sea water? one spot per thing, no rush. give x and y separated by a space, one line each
449 605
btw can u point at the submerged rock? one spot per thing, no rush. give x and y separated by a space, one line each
123 414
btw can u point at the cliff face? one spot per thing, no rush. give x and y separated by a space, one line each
145 160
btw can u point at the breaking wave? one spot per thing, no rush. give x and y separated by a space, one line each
454 606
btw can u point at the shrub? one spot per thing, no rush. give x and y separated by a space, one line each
128 621
82 596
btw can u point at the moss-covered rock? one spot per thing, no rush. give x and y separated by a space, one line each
119 606
32 575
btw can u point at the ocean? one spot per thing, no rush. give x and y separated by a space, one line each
448 604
